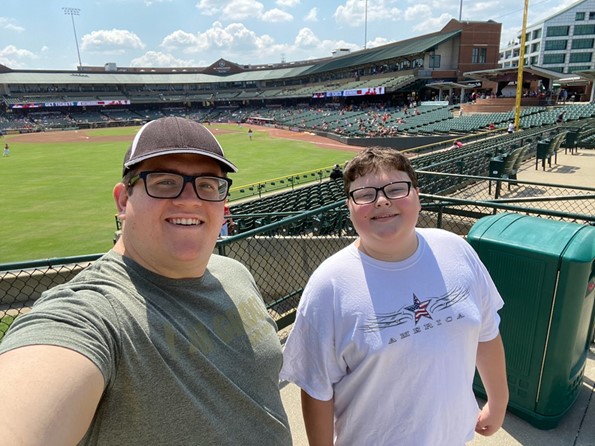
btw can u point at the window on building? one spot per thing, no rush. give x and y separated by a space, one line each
435 61
582 30
534 60
536 34
579 16
557 69
549 59
479 55
581 44
516 52
580 57
555 45
535 47
553 31
592 16
578 68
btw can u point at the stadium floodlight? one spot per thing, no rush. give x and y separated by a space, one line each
366 25
72 12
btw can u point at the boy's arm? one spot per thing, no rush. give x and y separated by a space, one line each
319 420
491 365
48 395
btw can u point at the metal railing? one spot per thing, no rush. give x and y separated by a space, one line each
282 255
288 182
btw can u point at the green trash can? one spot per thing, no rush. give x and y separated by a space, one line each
544 270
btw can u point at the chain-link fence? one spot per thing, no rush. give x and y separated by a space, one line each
282 255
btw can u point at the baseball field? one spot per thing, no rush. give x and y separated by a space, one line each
56 187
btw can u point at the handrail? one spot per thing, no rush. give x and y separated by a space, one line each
260 187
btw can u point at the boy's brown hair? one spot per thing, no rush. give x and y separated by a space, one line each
375 159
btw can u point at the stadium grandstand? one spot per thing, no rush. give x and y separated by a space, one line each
407 93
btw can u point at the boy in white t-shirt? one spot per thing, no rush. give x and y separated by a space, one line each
389 330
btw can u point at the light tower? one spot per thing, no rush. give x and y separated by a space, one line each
366 25
72 12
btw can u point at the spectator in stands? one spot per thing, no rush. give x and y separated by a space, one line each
6 151
389 330
491 126
228 224
456 145
510 127
336 172
159 341
560 118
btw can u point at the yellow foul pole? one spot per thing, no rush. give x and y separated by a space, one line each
519 82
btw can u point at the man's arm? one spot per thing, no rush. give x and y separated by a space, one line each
48 395
491 365
319 420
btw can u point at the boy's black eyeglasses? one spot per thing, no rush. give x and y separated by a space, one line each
392 191
170 185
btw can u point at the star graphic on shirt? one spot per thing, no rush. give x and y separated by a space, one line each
419 308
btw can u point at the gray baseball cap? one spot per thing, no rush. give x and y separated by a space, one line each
171 135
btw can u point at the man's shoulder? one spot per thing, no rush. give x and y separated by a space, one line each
226 265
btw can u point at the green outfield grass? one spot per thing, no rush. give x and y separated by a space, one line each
56 198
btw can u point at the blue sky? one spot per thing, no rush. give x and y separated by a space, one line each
37 34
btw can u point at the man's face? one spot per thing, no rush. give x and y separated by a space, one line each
386 228
172 237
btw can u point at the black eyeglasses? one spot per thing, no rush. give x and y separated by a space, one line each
392 191
170 185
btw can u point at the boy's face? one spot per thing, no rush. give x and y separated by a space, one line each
386 228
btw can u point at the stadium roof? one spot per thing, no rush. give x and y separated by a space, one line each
70 77
530 72
588 74
383 53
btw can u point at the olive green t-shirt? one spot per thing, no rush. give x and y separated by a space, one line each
185 362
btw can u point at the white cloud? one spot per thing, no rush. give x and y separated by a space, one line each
276 16
288 3
418 13
353 12
12 56
433 23
242 9
233 37
111 40
209 7
378 41
312 15
236 10
9 25
151 2
159 59
306 39
180 38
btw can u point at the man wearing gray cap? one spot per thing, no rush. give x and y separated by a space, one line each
159 342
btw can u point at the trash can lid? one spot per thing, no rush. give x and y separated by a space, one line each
532 234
